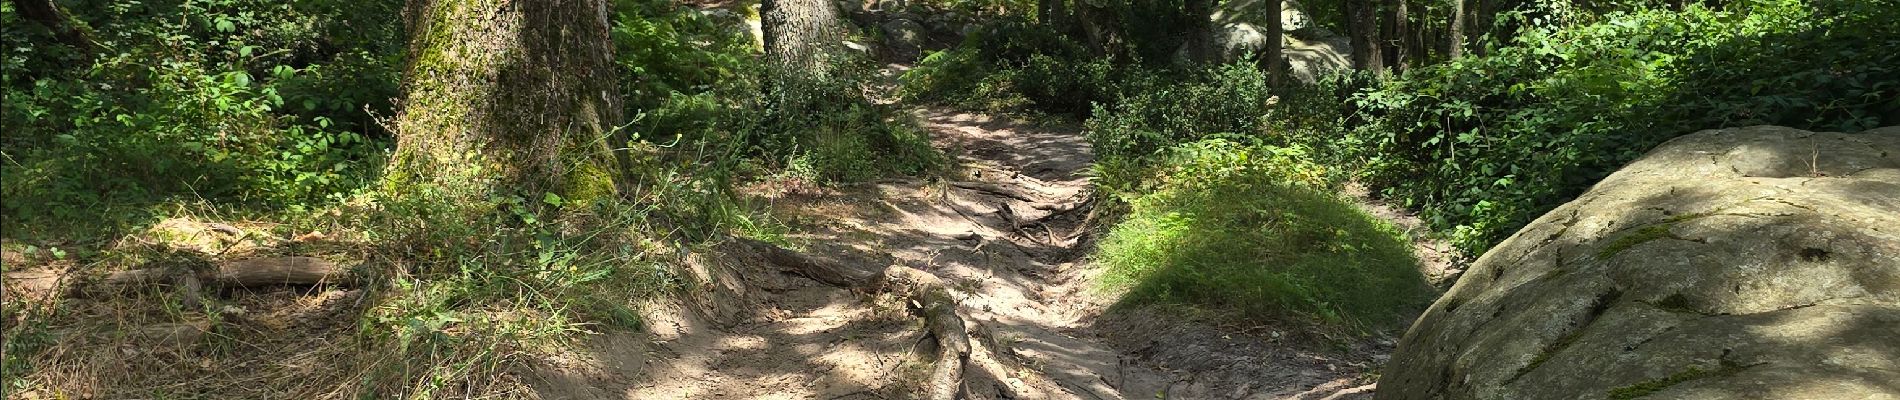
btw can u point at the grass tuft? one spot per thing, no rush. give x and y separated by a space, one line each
1254 231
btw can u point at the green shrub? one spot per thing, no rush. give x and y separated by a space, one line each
1013 65
1484 144
1157 113
1255 230
241 103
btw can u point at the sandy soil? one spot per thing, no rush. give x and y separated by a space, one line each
1007 229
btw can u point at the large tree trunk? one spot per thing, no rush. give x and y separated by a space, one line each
1276 37
506 97
1363 26
1455 33
800 35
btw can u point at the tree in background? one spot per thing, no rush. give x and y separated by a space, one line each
501 97
1276 69
1397 31
1200 30
1455 31
1362 25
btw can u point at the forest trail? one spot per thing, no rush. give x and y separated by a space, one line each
1006 230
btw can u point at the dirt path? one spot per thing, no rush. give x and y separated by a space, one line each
1006 230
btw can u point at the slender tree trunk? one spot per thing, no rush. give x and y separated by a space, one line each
1276 36
1417 53
503 97
1398 54
1455 31
1363 26
801 35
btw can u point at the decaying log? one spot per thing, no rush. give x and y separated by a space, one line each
237 273
929 297
281 271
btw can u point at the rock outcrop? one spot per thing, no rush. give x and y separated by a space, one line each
1746 263
1308 50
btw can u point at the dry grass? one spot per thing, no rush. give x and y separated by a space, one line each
270 342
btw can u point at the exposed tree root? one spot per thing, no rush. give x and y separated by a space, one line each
927 295
1005 191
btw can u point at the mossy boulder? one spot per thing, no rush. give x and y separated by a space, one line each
1746 263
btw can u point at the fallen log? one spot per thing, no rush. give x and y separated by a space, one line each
281 271
237 273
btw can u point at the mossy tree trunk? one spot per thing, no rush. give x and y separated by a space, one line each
509 97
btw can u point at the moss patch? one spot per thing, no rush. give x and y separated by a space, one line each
1640 236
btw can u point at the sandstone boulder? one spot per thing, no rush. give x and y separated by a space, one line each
1746 263
904 38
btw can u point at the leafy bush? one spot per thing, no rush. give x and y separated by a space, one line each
1012 65
1156 114
249 103
1254 230
1484 144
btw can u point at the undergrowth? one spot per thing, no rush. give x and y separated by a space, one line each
1256 231
265 116
1482 145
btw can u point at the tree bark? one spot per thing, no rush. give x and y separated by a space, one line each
505 97
1200 35
1363 26
800 35
1398 54
1276 37
1455 31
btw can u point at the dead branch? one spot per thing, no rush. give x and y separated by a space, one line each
238 273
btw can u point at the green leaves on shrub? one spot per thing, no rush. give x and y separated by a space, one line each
1254 230
1484 144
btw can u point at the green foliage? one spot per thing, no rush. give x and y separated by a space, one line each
1158 113
1015 64
247 103
831 129
1254 230
1484 144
